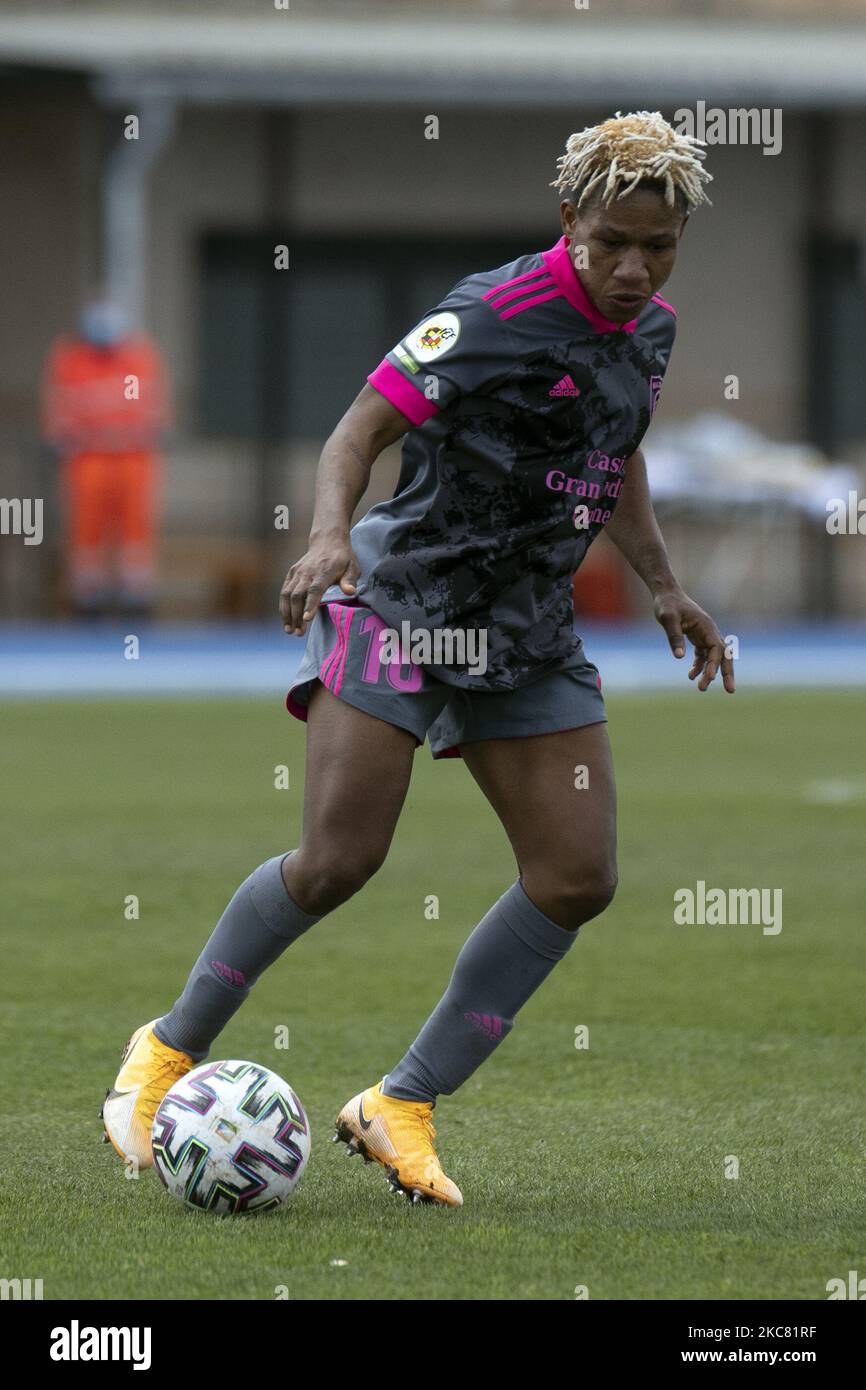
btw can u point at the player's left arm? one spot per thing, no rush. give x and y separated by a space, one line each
634 530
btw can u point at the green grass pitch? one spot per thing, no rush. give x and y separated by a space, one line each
603 1167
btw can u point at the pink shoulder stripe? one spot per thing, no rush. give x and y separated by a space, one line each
522 289
395 388
528 303
518 280
657 299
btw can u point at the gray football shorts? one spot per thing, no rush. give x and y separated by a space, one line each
342 652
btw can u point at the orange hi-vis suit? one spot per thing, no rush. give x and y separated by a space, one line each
105 409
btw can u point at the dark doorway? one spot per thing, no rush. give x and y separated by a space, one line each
284 352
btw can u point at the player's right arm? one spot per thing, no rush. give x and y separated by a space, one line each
369 425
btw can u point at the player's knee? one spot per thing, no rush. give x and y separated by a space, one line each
586 892
327 880
596 890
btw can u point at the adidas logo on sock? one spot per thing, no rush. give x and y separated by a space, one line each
486 1023
237 978
566 387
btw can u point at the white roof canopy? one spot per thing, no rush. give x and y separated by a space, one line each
285 59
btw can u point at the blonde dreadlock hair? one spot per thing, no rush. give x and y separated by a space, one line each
628 150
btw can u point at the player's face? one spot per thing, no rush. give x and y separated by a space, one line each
631 246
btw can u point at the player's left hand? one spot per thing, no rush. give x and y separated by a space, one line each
681 617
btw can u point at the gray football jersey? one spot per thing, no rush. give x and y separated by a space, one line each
525 405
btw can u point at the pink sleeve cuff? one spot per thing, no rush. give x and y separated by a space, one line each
395 388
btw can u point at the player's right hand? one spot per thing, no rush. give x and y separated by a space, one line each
325 563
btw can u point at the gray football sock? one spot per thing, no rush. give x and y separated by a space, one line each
511 951
259 923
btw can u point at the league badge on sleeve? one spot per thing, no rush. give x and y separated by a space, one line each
434 337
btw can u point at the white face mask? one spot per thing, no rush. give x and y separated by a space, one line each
102 324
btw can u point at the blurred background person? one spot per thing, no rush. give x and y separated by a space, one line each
105 411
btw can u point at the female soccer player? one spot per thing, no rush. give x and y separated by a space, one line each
524 397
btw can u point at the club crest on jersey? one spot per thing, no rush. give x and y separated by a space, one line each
434 337
655 392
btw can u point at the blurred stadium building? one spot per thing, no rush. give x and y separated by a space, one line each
308 127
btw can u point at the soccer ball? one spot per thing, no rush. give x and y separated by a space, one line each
231 1137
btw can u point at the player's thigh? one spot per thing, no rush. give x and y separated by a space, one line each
555 795
357 775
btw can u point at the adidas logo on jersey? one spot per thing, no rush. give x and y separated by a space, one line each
566 387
